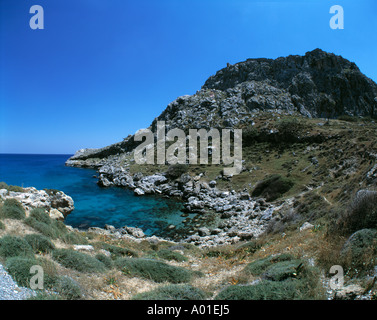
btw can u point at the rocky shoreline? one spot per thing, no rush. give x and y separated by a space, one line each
239 217
56 203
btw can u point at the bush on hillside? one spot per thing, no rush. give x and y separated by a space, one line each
3 185
12 209
39 243
348 118
11 246
290 129
250 136
117 252
172 292
174 171
40 215
259 266
74 238
359 253
50 228
107 261
68 288
284 277
19 268
264 290
171 255
361 214
272 187
78 261
157 271
249 247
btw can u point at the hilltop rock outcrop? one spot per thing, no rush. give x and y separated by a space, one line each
318 84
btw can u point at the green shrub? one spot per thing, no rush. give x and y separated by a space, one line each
359 253
290 129
52 229
361 214
174 171
3 185
171 255
59 226
44 296
78 261
40 215
172 292
39 243
249 247
107 261
257 267
2 226
19 268
154 270
50 274
250 136
264 290
348 118
225 251
284 277
272 187
12 209
283 270
118 252
68 289
74 238
11 246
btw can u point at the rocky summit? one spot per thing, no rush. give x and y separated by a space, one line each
318 84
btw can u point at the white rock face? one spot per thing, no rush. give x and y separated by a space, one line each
82 247
56 214
139 192
56 203
306 226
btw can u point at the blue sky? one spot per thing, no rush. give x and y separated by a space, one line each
100 70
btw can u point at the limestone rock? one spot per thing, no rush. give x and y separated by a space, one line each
56 214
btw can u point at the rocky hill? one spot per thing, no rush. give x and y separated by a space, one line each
318 84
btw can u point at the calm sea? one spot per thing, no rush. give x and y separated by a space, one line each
94 206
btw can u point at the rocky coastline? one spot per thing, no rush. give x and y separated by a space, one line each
238 216
56 203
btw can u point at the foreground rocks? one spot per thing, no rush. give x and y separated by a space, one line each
55 202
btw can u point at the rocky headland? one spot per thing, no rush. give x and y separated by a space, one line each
316 85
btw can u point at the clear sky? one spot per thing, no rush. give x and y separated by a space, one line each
101 69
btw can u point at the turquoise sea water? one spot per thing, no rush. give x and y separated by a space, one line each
94 206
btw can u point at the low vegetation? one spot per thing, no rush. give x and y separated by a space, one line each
272 187
153 270
172 292
12 209
78 261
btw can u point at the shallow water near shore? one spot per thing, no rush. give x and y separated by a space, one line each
94 206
